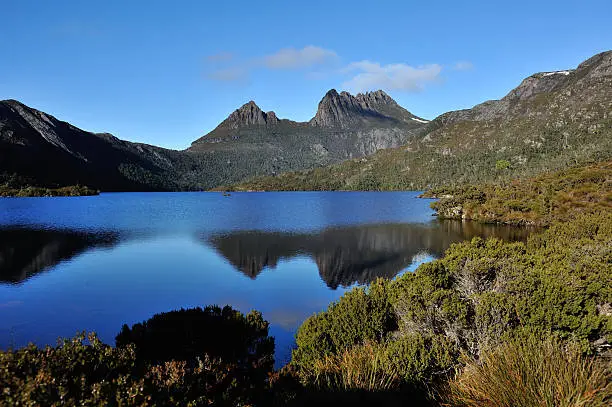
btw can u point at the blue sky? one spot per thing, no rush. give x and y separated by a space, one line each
167 72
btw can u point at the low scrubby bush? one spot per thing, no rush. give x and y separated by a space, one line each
82 371
360 316
195 357
187 334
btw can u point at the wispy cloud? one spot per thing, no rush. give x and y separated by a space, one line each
223 56
317 63
227 67
463 66
368 75
292 58
231 74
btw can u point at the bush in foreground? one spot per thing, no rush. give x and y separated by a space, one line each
360 316
84 372
531 372
196 357
480 294
187 334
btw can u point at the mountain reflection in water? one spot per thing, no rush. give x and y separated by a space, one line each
356 254
344 255
27 252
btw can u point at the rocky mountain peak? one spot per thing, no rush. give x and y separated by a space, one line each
598 65
338 110
375 98
538 83
250 114
345 110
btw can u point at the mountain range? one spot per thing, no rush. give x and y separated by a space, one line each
551 121
367 141
38 149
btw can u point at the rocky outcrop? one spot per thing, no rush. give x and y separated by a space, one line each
597 68
250 142
340 110
373 100
250 115
377 109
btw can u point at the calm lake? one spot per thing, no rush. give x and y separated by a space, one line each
95 263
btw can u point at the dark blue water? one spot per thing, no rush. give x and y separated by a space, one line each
95 263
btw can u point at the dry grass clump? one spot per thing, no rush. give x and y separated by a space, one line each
362 367
532 373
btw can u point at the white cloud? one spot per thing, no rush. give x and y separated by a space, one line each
402 77
231 74
231 69
463 66
291 58
318 63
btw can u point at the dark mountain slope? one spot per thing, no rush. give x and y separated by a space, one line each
50 152
552 120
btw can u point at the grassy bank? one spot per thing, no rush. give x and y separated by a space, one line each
540 200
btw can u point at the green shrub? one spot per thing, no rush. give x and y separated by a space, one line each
502 165
420 359
187 334
427 302
86 372
360 316
482 290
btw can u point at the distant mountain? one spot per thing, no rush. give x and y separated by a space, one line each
343 110
39 149
253 142
45 151
552 120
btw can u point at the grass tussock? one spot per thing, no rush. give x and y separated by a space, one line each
359 368
532 373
